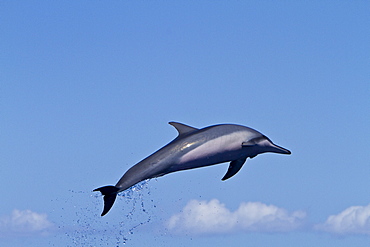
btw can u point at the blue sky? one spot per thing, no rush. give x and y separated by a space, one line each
87 89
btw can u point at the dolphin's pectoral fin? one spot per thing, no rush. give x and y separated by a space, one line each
182 128
110 194
234 167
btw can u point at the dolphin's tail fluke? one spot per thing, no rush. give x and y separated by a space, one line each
110 194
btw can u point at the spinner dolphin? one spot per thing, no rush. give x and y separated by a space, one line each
194 148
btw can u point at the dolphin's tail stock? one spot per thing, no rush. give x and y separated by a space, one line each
110 194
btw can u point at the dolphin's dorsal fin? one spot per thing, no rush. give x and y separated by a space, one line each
234 167
182 128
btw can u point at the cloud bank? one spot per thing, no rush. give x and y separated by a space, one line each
353 220
202 217
24 223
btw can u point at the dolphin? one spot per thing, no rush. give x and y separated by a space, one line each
194 148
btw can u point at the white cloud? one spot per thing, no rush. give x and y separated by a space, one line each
202 217
24 222
355 219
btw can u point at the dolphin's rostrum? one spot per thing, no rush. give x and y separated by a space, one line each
194 148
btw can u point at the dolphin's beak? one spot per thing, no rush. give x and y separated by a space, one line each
277 149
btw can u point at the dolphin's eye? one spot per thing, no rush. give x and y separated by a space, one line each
250 143
254 141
